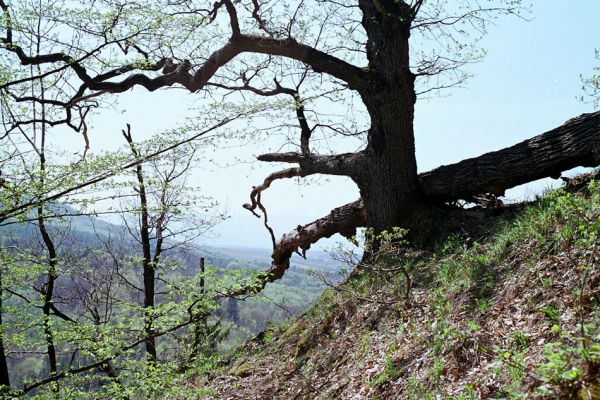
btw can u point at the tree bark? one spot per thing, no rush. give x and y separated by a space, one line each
574 144
343 220
387 179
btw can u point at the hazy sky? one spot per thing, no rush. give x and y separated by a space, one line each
527 84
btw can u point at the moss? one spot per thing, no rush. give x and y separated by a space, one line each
328 297
294 329
304 344
243 370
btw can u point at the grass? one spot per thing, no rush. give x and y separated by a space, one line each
461 319
557 223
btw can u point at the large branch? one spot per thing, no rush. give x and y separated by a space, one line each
343 220
346 164
180 74
574 144
318 60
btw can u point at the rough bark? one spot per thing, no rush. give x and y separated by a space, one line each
343 220
574 144
388 178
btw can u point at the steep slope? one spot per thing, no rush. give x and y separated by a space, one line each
514 314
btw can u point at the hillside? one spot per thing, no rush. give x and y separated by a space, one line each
511 313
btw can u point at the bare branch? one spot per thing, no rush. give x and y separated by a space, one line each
345 164
255 195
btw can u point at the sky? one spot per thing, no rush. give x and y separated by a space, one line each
527 84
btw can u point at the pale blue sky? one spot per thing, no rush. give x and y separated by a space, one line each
527 84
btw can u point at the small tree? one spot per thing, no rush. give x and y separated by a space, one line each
164 221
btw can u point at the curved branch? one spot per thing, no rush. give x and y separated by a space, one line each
319 61
255 196
257 190
341 164
343 220
179 73
233 18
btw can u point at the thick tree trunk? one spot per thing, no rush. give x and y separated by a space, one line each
574 144
388 175
386 172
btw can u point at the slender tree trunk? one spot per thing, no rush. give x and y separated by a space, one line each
48 292
148 270
148 264
48 288
199 325
4 376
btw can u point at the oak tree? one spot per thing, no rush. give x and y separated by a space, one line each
374 56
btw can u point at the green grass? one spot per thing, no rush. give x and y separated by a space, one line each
558 222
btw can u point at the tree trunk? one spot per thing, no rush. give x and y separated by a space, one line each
4 376
48 288
48 292
576 143
388 178
148 264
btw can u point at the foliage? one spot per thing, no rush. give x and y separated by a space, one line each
558 223
591 84
571 365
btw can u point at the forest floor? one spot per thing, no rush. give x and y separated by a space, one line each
513 313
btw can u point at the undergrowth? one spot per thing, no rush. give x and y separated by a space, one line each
465 277
560 225
512 314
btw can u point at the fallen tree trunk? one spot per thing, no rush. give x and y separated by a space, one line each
574 144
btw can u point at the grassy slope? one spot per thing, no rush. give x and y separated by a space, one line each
480 325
